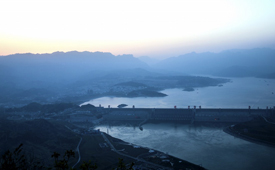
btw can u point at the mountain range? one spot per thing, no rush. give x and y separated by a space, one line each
230 63
60 66
53 77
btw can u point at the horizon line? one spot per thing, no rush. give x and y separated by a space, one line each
133 54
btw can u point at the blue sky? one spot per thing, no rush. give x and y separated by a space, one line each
159 29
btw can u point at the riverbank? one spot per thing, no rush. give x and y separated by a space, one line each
202 145
106 150
257 131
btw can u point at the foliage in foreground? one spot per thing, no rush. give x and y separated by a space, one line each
17 160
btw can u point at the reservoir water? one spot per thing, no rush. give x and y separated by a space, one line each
206 146
239 93
201 145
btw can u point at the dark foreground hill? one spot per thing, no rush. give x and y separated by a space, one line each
40 138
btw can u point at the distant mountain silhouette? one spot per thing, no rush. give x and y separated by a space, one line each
232 63
74 76
268 76
61 67
85 60
148 60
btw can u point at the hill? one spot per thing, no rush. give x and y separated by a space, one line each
39 137
259 130
60 67
47 78
267 76
230 63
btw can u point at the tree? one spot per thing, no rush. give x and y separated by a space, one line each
121 165
63 163
16 160
88 166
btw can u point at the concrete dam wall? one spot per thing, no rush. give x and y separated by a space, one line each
188 115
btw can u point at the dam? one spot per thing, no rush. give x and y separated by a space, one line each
191 115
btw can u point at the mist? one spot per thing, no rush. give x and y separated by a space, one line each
206 97
75 73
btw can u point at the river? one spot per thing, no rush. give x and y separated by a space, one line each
239 93
207 146
202 145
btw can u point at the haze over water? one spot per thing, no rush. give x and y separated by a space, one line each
86 34
207 146
239 93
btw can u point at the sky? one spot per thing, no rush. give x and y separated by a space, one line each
154 28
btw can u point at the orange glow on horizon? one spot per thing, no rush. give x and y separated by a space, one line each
142 28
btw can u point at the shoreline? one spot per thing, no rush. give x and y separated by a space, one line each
153 158
231 132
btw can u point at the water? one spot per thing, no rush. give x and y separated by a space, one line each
239 93
206 146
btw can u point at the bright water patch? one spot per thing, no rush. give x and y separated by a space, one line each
207 146
239 93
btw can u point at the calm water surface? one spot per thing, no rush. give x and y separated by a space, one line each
239 93
207 146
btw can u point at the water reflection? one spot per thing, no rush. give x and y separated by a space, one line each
240 93
208 146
